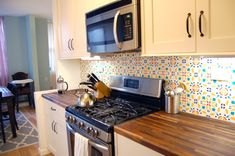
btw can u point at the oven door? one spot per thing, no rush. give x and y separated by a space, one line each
95 148
113 31
98 149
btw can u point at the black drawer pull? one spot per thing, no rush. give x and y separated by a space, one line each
53 109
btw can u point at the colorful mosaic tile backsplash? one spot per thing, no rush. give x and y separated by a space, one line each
210 81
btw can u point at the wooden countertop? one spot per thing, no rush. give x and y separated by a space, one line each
181 134
64 100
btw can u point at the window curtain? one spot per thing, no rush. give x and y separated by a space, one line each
3 59
51 55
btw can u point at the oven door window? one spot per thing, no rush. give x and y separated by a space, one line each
99 149
95 152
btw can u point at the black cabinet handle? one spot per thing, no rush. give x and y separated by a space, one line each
69 44
72 44
53 109
54 128
187 25
52 125
200 23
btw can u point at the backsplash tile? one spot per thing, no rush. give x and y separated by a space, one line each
205 96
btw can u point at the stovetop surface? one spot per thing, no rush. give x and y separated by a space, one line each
111 111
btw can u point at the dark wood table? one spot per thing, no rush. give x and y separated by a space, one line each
8 97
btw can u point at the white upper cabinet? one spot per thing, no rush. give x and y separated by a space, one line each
174 27
95 4
164 27
71 28
217 25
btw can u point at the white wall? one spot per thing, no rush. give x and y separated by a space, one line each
70 71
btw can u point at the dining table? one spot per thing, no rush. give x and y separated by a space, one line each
9 97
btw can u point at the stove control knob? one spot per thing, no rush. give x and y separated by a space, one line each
81 124
95 133
89 130
69 118
73 120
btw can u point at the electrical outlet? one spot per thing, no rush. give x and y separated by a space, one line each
222 69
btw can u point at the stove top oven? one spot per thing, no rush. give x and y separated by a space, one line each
130 98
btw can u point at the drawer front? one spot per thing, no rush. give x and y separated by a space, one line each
55 111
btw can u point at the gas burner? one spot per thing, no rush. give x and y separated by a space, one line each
113 111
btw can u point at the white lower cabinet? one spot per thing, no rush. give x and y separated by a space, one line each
56 128
51 126
127 147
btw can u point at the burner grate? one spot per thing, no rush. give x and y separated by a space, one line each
113 111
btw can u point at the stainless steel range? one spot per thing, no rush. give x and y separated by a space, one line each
130 98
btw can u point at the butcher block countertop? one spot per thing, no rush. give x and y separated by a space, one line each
181 134
64 100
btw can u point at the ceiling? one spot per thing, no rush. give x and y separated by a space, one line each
39 8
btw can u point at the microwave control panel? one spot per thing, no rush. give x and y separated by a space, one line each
127 26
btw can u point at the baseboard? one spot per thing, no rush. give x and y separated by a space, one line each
43 151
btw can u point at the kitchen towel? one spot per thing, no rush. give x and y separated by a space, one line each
80 145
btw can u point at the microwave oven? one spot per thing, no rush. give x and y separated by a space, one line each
114 28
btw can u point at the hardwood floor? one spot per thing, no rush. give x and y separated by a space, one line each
30 114
31 150
25 151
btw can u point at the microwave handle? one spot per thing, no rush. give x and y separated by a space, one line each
115 30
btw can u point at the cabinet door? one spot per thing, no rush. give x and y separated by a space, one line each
49 126
127 147
61 133
80 30
217 25
164 27
67 12
72 29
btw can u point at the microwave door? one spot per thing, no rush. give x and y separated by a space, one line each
113 31
100 36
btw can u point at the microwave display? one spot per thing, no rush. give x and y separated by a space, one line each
128 27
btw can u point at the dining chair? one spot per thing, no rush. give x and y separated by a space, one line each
19 89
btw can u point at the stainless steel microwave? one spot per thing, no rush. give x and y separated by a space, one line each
114 28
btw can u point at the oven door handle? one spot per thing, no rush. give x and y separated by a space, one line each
70 129
98 146
115 30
